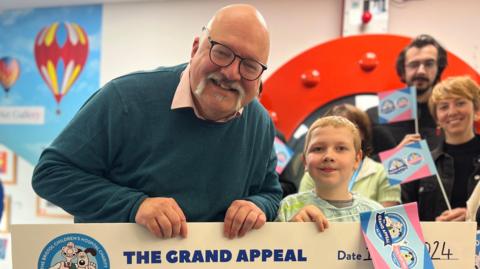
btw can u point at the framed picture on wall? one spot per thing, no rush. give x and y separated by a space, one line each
8 166
47 209
5 222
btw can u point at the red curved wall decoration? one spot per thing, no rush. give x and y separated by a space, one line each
339 68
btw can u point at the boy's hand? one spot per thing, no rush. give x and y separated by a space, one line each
311 213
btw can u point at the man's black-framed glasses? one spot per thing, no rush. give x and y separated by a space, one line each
427 64
224 56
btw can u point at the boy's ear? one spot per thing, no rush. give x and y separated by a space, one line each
358 158
304 161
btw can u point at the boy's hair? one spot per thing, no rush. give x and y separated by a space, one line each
360 119
461 86
336 122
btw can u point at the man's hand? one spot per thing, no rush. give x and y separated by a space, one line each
456 214
162 217
241 217
311 213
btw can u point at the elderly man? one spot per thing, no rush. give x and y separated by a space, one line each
419 64
178 144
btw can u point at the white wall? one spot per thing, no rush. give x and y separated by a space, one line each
146 35
142 36
456 24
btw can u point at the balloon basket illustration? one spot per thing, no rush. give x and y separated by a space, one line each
9 73
61 50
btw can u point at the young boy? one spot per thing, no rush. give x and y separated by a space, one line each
331 154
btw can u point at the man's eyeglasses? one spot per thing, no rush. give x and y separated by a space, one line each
428 64
224 56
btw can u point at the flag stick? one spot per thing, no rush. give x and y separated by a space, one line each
443 192
416 125
415 108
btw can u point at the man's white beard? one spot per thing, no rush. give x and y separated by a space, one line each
225 84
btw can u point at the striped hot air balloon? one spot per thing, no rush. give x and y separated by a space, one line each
61 50
9 72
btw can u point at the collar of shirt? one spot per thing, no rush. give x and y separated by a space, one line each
183 98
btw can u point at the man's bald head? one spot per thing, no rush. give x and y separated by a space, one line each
246 23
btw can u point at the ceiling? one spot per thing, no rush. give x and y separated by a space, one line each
15 4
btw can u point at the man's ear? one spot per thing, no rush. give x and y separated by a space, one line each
195 46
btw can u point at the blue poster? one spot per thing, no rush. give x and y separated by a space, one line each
49 66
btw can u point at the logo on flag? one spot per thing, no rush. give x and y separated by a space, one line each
397 105
396 166
403 102
410 162
391 228
414 158
387 106
404 257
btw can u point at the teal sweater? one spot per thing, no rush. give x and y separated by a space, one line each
126 144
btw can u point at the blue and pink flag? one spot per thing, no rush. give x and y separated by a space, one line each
397 105
410 162
284 154
394 238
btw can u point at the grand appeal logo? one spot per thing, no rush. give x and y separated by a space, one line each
74 251
397 166
387 106
391 228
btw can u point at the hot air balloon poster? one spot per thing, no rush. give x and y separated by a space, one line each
9 71
8 166
49 66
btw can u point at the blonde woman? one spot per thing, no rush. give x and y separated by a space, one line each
454 104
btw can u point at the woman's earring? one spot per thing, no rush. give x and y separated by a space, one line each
438 131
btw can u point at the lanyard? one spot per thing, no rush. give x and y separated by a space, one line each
354 176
